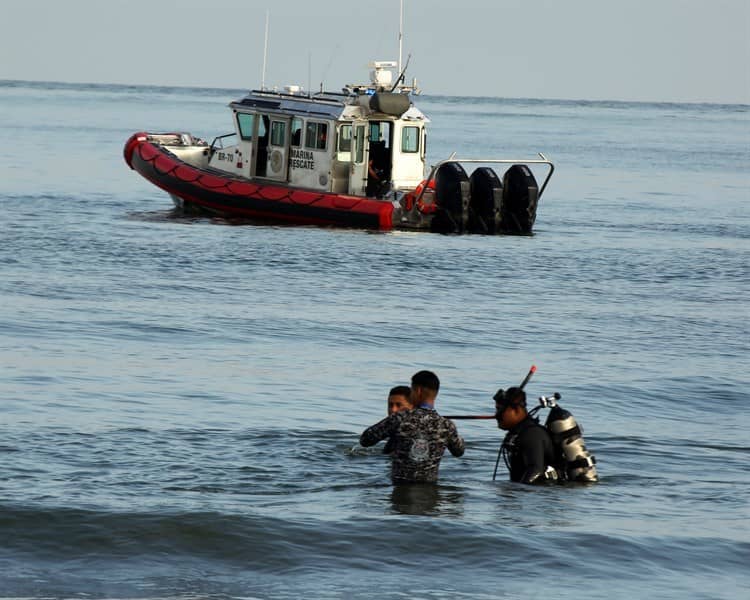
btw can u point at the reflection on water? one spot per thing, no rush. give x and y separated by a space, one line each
427 499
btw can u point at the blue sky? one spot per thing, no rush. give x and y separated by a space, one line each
651 50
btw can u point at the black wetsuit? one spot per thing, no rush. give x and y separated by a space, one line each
528 452
419 438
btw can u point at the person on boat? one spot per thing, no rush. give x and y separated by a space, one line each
399 399
420 435
527 448
373 179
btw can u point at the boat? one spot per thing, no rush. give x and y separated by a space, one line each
349 158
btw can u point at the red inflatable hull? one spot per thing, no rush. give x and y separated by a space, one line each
233 196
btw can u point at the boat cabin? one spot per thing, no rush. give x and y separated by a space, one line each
366 140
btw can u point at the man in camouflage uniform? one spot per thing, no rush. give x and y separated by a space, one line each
419 436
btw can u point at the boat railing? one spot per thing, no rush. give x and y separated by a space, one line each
542 160
171 139
218 143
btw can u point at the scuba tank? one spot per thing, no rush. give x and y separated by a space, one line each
567 436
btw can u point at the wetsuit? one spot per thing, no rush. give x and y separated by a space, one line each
419 438
529 452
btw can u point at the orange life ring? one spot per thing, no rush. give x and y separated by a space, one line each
422 206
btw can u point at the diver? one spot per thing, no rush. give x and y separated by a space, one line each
527 448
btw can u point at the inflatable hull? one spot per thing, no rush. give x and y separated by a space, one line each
231 196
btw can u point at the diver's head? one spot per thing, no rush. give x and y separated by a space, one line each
510 407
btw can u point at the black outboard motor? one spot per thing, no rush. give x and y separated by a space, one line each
452 199
520 197
486 201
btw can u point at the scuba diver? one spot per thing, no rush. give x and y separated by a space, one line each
536 453
527 448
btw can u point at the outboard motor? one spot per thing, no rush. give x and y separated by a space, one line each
452 199
520 197
568 437
486 201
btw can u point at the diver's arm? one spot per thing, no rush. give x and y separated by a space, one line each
379 431
532 451
533 475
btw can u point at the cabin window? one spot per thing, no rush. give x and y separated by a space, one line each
345 138
278 133
263 127
359 144
246 123
296 132
316 135
380 131
410 139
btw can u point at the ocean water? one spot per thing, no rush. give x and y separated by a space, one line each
181 397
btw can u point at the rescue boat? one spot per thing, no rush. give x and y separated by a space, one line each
354 158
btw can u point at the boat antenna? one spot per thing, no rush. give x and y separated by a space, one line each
334 54
400 77
400 34
265 56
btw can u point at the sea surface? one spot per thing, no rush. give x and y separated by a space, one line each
181 397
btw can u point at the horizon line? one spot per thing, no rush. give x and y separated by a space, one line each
438 95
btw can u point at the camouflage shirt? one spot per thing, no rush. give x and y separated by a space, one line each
419 437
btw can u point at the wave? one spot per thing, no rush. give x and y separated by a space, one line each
276 544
